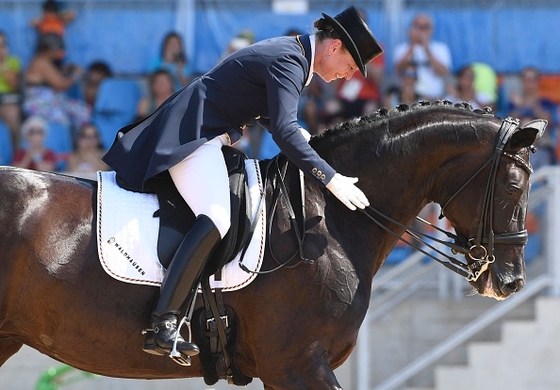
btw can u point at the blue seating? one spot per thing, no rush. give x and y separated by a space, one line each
115 106
6 150
59 140
76 91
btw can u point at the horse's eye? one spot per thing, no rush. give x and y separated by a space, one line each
512 189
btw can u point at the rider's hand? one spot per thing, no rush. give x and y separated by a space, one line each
344 189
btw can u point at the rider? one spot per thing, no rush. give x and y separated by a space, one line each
184 136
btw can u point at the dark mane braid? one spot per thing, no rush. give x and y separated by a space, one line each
377 125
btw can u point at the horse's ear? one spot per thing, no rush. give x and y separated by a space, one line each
527 135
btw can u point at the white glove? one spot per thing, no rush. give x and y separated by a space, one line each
344 189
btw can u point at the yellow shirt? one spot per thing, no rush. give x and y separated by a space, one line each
13 64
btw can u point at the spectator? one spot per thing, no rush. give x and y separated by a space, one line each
405 91
53 21
173 59
160 87
248 34
96 72
528 104
10 99
432 59
243 39
463 90
293 32
35 155
46 85
485 83
85 160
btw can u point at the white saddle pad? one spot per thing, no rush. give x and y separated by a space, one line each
127 235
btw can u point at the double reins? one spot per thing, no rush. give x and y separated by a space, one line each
479 249
277 174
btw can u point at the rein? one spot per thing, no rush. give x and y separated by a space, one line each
479 249
279 189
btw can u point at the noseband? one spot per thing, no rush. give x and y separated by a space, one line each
479 249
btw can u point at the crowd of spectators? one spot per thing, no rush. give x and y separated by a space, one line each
49 98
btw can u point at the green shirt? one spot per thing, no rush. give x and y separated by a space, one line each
13 64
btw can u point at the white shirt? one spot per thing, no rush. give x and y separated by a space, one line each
312 41
429 84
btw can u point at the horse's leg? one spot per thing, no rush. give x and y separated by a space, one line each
8 347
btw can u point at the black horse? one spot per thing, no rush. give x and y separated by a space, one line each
297 324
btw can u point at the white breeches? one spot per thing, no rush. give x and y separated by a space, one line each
202 180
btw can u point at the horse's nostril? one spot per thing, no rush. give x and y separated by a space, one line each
514 286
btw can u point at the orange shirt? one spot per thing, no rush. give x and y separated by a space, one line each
51 24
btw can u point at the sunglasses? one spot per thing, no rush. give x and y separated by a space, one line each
36 130
410 74
88 136
423 26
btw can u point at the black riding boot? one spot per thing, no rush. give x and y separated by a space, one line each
179 286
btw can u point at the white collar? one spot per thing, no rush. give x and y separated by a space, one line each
312 42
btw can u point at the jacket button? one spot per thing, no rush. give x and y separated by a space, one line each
314 170
323 177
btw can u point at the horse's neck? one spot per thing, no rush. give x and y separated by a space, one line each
400 177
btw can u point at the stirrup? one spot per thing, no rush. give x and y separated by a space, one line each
175 354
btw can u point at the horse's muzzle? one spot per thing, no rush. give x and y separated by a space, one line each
510 287
489 285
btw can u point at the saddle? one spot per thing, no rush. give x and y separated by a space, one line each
176 217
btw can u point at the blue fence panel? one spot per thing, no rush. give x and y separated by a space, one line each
128 34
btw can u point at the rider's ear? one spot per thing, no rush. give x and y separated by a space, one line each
527 135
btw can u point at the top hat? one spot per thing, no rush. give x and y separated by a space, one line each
356 36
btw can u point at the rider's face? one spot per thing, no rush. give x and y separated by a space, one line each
335 62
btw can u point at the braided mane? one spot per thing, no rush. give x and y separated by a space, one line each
377 120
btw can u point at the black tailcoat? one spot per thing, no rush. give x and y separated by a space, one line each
260 82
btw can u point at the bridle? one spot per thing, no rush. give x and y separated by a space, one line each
479 249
